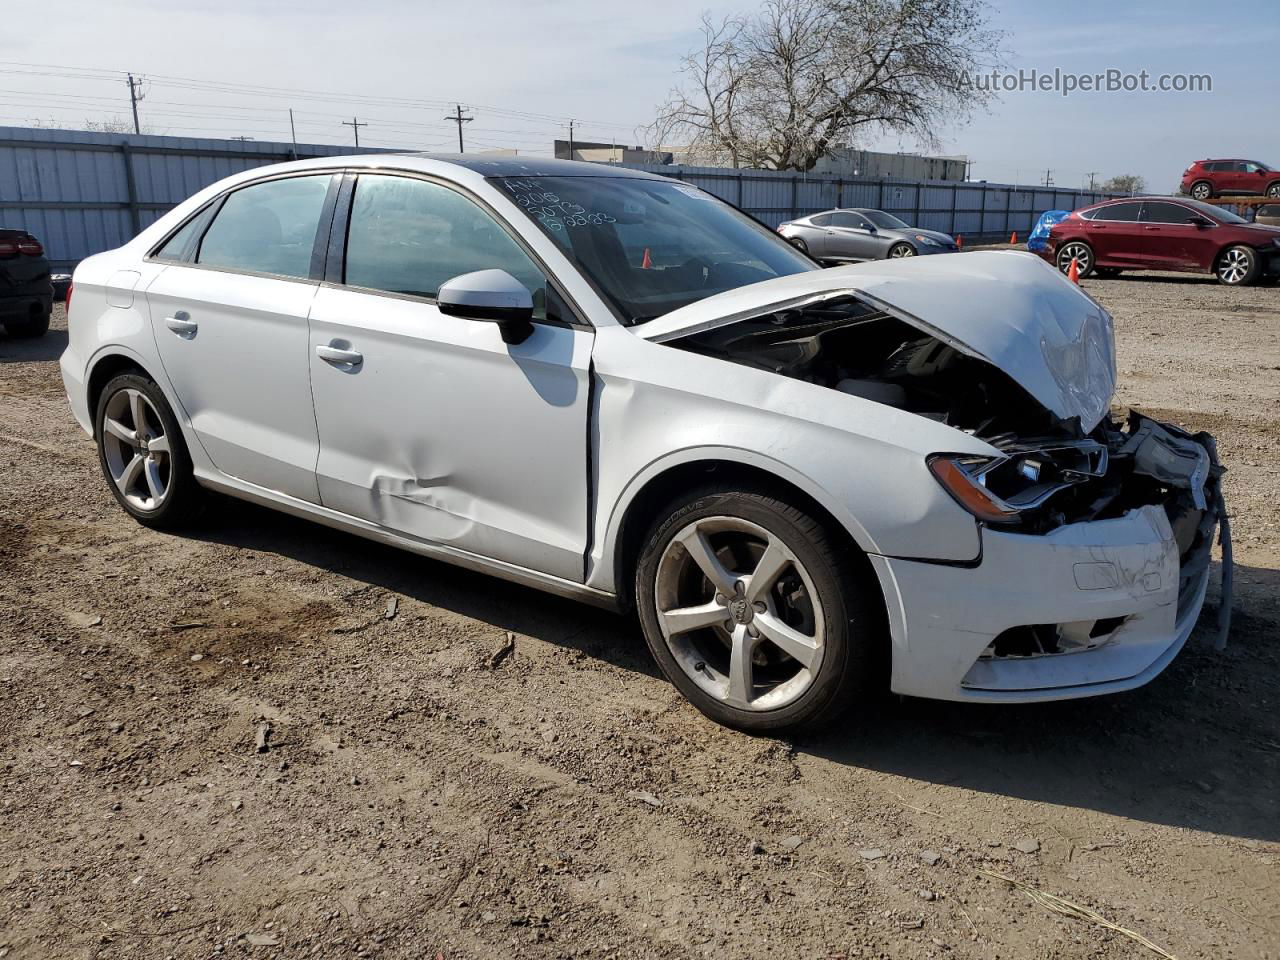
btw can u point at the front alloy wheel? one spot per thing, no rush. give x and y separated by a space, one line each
1273 190
740 613
1238 267
899 250
1081 253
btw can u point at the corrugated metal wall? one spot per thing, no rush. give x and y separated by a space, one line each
82 193
974 210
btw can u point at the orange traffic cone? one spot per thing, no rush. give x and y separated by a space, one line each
646 263
1073 272
960 241
1013 237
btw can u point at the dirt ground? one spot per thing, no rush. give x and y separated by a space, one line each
422 795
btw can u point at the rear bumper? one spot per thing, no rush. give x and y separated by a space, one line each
23 304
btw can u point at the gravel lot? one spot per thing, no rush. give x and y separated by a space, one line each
423 795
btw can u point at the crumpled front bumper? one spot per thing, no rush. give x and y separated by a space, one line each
944 619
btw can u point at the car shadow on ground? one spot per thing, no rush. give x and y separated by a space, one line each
597 633
1196 748
33 350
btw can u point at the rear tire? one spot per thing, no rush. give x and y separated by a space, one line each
1079 251
1274 189
798 244
143 455
787 628
1201 190
36 325
1237 266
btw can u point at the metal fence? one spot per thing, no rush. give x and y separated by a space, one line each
973 210
82 193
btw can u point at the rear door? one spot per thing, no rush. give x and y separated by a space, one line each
1116 235
434 427
229 315
1170 242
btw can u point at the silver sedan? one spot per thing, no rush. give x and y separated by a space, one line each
848 236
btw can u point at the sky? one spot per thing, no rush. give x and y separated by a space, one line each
523 68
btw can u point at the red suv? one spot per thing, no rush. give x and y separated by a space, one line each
1164 233
1213 178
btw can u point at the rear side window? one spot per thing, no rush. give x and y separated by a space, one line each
409 236
821 220
267 228
1157 212
178 246
1118 211
1211 167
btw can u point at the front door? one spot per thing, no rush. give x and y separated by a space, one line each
230 322
853 237
431 425
1170 242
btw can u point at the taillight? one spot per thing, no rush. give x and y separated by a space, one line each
32 247
70 287
8 248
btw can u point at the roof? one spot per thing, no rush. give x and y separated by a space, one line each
497 166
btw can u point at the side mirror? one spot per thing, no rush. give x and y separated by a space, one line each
492 295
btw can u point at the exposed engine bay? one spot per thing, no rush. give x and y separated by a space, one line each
1049 471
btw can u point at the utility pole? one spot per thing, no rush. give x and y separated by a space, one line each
293 133
135 94
1092 174
1048 178
968 169
354 123
242 139
571 139
459 119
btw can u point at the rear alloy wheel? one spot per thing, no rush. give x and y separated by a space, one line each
1238 266
798 244
899 250
1274 190
142 453
1201 190
750 610
1081 253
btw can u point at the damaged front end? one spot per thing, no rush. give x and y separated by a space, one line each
1037 391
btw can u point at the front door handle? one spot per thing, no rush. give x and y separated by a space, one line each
339 356
182 324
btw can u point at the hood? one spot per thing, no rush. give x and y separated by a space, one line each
1006 307
912 232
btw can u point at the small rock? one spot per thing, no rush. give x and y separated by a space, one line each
393 604
754 848
84 619
1204 786
197 657
85 712
644 796
237 804
507 649
926 895
791 843
76 763
488 916
929 857
994 843
1028 845
116 727
261 736
263 940
872 853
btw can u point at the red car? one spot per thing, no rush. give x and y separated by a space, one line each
1213 178
1164 233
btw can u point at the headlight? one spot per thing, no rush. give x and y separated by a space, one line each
927 241
962 477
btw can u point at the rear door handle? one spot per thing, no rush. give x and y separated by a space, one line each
336 355
182 324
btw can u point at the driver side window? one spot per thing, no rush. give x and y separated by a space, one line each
849 220
409 236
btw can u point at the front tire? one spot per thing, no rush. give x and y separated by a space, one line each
756 612
1274 189
900 250
1238 266
1079 251
143 455
35 325
1201 190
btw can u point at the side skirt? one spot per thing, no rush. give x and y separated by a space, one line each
427 548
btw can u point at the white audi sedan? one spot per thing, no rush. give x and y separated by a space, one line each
809 484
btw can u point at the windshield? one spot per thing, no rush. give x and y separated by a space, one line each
885 221
1222 214
652 246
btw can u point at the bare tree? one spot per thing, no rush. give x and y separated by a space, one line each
1129 183
782 87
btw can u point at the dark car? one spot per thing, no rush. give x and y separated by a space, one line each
1205 179
861 234
26 294
1268 213
1164 233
